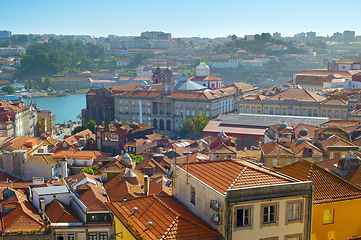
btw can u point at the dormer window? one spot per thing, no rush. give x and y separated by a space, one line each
310 150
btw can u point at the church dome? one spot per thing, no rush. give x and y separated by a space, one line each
303 132
126 158
202 70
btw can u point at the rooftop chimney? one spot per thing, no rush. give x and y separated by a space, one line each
124 201
146 185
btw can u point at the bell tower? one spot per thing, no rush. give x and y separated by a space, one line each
168 83
158 76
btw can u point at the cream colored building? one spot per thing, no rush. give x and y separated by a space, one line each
296 102
242 200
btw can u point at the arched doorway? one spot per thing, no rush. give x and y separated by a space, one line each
161 124
168 125
155 125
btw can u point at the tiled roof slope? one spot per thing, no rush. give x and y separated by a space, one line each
167 223
58 212
23 217
328 187
354 177
298 94
229 174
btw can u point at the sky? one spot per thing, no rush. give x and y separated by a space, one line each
186 18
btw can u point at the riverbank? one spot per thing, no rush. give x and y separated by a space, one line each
42 94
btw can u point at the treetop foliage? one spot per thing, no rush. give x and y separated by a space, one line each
56 57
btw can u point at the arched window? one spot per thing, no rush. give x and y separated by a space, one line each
155 125
161 124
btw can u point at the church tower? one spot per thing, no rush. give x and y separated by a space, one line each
168 83
158 76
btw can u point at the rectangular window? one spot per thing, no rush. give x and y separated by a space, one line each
294 211
241 109
284 111
310 112
193 195
274 162
345 115
296 112
323 113
336 114
258 110
328 216
253 110
247 109
243 217
266 110
269 214
92 236
271 110
315 112
70 236
329 113
290 111
103 236
59 236
276 110
303 112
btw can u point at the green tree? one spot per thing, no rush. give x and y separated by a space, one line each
137 158
8 88
79 116
30 84
5 43
37 87
77 129
47 83
234 37
91 126
194 125
88 170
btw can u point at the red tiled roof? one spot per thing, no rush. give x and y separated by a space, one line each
93 198
328 187
58 212
230 174
23 217
119 187
167 222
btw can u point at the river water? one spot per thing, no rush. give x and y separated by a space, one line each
65 108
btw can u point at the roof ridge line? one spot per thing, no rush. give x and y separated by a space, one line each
170 227
239 175
165 205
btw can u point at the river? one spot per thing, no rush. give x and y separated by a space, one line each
65 108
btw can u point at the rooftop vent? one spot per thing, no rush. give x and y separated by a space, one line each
149 224
124 201
134 210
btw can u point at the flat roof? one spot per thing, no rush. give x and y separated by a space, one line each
51 190
218 126
265 120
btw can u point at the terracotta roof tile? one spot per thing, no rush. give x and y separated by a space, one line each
230 174
168 222
119 187
58 212
328 187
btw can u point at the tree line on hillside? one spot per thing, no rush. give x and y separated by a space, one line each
258 45
59 57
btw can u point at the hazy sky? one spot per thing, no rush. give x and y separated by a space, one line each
181 18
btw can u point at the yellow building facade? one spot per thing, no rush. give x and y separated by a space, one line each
336 220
